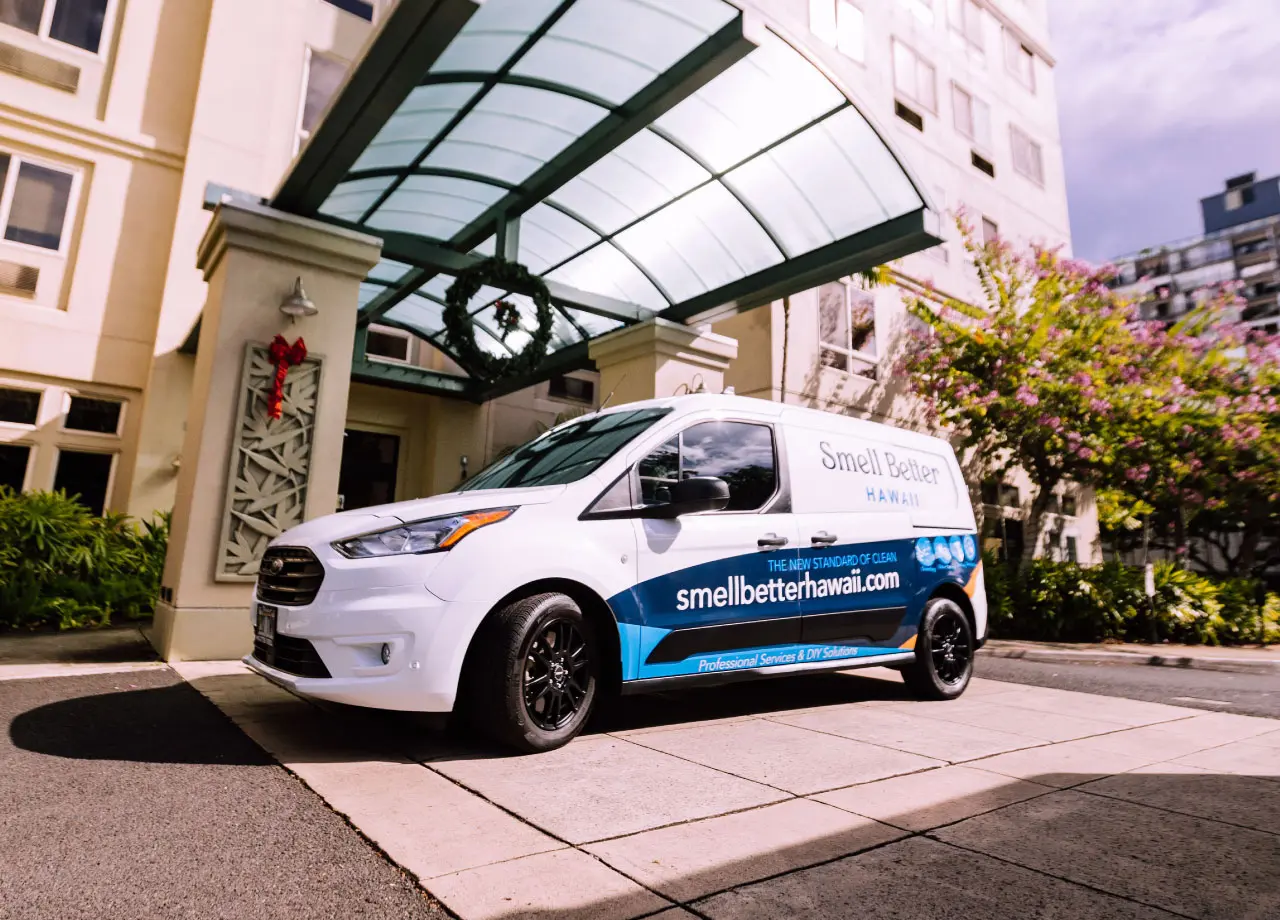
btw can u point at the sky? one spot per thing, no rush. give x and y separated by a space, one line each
1160 102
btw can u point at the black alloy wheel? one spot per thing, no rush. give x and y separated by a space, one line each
557 674
950 646
944 650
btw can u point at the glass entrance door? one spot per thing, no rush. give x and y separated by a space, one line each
368 474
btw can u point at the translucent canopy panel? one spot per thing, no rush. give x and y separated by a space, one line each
672 158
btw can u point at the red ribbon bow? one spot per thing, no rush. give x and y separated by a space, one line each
283 356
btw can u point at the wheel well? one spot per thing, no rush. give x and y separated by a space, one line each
956 593
593 608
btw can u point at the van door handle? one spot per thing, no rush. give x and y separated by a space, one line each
771 541
822 538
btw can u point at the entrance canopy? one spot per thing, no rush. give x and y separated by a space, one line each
672 158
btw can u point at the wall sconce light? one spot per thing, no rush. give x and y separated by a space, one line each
297 303
463 462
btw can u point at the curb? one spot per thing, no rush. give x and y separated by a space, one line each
1236 665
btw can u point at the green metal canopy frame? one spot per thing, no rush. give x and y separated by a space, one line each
647 158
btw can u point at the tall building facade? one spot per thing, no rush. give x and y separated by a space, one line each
1240 243
115 118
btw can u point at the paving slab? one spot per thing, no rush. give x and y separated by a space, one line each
1067 764
901 730
601 787
923 801
1244 800
1155 742
1006 717
424 822
920 879
1217 728
695 859
566 885
1271 739
1197 868
1239 757
1088 705
786 757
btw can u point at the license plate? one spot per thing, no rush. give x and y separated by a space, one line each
266 625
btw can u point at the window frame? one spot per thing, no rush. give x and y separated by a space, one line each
46 23
24 426
986 146
69 395
10 186
391 332
1032 145
638 507
32 449
300 134
1015 52
995 229
919 60
961 25
832 39
60 449
849 351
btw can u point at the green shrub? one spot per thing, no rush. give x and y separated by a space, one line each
1065 602
62 566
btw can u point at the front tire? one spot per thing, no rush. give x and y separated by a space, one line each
535 676
944 653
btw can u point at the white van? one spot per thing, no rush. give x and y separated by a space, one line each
682 541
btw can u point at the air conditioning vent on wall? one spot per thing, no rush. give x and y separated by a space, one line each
18 279
32 66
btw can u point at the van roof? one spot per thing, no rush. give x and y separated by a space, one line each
766 407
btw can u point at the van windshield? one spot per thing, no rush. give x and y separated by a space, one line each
566 454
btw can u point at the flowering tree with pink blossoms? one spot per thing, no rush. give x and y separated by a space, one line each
1051 372
1024 376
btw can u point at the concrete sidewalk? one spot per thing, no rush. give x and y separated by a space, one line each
1243 660
822 797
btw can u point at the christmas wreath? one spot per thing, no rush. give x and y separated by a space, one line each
460 329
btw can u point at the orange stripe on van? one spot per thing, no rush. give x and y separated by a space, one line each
972 587
909 644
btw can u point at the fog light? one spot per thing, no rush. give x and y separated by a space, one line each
386 653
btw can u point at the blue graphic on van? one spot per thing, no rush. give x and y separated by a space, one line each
796 607
970 549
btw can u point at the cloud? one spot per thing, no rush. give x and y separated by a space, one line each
1160 101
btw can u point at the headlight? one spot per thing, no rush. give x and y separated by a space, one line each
429 536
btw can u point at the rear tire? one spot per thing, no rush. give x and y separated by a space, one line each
944 653
535 676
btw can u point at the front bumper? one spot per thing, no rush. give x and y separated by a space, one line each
428 638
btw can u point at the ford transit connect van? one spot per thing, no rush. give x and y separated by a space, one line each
673 542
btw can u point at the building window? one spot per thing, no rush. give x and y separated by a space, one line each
34 200
990 231
13 466
387 344
847 328
972 117
839 24
324 74
965 17
361 8
1072 550
1019 60
85 476
982 164
1028 158
1001 494
921 9
19 407
575 388
72 22
1069 505
96 416
914 77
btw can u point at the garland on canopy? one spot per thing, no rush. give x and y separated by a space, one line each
460 328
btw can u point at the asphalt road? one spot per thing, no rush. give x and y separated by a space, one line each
130 795
1215 691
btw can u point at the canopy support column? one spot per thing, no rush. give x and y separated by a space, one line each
660 358
244 476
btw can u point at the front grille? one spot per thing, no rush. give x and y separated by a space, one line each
289 575
291 655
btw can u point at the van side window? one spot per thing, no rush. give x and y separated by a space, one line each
740 453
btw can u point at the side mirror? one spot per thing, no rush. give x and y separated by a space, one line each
689 496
